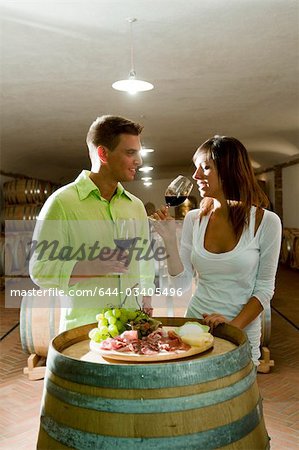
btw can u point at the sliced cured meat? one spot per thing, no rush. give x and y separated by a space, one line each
131 335
156 342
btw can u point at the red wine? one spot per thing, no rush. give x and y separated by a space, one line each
123 244
173 200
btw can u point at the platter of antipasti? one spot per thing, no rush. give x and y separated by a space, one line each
131 335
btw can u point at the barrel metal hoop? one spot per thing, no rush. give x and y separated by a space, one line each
164 405
25 327
151 376
208 440
52 324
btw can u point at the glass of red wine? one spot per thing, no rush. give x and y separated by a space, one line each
124 233
178 191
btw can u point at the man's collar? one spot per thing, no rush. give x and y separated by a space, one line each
85 186
120 190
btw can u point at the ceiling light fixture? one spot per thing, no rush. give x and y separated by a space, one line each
255 164
147 183
132 85
145 169
145 151
146 178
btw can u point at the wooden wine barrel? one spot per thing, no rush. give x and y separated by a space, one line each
295 249
19 191
207 401
16 244
19 216
6 257
296 253
266 327
286 246
22 212
26 238
39 323
45 191
14 249
25 190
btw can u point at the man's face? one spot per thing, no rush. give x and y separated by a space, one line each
124 160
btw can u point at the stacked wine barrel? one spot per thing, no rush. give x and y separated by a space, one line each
23 199
289 254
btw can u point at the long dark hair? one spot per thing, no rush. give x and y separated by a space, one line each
239 184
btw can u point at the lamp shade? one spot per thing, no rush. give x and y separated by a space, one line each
132 86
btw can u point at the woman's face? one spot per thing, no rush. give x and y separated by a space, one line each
206 176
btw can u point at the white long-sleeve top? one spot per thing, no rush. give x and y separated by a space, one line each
226 281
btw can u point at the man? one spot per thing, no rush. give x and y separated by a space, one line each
74 248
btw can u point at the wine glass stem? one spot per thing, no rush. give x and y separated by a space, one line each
119 289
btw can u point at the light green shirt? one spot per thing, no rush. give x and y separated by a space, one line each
75 223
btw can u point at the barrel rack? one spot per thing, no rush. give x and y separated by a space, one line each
36 367
265 362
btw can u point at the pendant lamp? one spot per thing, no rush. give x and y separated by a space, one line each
132 85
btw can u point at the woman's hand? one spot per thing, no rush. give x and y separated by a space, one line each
213 320
163 223
248 313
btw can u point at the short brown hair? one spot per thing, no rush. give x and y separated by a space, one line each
105 130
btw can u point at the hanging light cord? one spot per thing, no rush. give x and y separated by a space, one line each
132 71
132 85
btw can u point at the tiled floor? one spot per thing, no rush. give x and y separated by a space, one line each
20 398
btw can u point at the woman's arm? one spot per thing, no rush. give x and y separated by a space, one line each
164 224
247 314
270 241
179 263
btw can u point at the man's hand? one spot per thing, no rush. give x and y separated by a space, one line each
112 265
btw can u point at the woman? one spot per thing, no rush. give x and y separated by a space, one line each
231 241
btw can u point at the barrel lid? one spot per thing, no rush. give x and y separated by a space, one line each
148 375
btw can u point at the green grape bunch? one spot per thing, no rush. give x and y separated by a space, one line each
114 321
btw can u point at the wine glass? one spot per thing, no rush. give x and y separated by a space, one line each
124 233
178 190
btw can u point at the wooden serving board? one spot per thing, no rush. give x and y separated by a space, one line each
162 356
81 350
